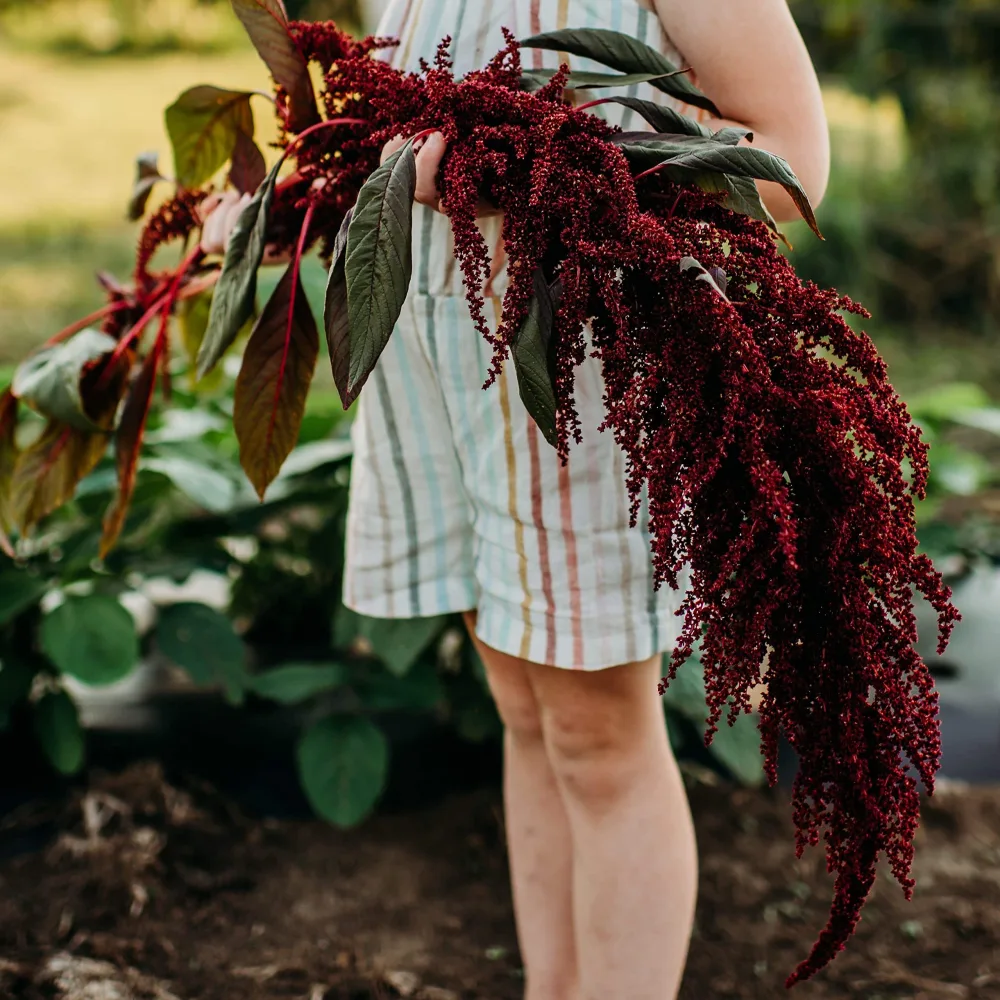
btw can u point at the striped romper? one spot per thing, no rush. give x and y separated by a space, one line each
457 501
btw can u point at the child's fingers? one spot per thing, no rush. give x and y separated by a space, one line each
428 164
391 146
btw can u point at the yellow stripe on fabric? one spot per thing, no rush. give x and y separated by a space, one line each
522 556
404 58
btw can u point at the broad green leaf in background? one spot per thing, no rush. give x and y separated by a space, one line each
19 589
419 690
294 682
203 642
91 638
16 675
316 454
532 351
941 403
47 472
59 733
269 399
957 470
267 25
738 748
336 318
209 489
204 124
343 765
49 380
147 174
398 642
233 299
248 169
9 454
128 442
379 259
625 54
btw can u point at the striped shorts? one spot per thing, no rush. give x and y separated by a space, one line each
458 503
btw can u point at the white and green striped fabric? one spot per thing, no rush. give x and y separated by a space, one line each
457 502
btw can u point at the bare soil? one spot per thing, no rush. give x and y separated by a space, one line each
153 892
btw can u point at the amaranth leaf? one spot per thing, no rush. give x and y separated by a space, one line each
248 169
233 299
204 124
623 53
8 460
379 259
147 173
532 353
128 443
267 25
715 277
270 396
535 79
662 117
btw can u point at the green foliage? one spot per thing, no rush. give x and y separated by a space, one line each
534 359
60 735
91 638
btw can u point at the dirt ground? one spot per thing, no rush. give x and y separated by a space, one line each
154 892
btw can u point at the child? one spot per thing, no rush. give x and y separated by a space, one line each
458 504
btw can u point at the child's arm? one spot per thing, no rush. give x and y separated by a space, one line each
749 58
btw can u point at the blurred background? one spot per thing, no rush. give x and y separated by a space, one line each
213 642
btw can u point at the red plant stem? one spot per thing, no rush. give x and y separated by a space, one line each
106 310
300 248
319 126
165 302
651 170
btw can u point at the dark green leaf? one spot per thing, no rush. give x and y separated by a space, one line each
19 589
336 318
49 380
233 300
625 54
421 690
738 748
533 353
203 642
293 683
147 174
91 638
58 729
535 79
733 135
9 455
708 155
662 117
204 124
343 765
208 488
379 259
741 193
269 400
398 642
685 694
267 25
17 673
248 169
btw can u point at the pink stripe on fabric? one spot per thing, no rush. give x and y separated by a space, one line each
572 560
543 543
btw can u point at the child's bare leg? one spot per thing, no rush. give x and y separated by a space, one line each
634 853
538 836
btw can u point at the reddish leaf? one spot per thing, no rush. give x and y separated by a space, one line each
270 394
8 459
46 474
248 169
128 443
204 125
267 25
147 173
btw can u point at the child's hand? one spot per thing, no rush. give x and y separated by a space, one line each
429 155
218 214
